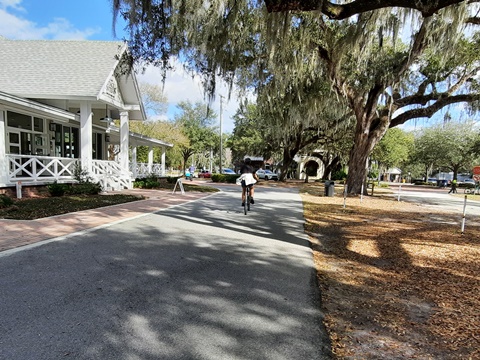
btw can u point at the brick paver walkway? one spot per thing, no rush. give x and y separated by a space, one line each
17 233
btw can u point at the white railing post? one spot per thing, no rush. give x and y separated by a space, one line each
4 163
86 120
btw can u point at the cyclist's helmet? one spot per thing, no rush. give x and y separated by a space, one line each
247 161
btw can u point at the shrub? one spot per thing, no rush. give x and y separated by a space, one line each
81 175
56 189
173 179
225 178
5 201
339 175
87 188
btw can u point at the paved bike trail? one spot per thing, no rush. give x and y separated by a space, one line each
195 281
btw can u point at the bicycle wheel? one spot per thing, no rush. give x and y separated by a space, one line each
248 199
246 205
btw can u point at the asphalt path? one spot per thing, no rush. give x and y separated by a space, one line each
438 198
199 281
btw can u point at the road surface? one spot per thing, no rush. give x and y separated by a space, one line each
200 281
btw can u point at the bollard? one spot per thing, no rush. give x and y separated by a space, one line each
463 216
361 192
399 191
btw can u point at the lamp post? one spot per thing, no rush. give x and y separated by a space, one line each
221 131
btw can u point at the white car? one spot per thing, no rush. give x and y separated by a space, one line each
266 174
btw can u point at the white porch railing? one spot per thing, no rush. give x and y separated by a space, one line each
45 169
142 170
34 169
110 175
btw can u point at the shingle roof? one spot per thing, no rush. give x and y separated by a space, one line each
56 69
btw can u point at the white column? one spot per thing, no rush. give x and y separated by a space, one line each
163 160
3 150
124 145
134 161
150 159
86 135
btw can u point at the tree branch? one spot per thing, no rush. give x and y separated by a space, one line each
432 109
420 99
338 12
473 20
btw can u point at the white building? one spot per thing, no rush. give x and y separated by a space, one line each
57 103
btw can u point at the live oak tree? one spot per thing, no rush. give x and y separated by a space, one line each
302 117
391 61
450 146
247 137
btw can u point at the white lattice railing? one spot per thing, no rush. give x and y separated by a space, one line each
142 170
34 169
39 168
110 175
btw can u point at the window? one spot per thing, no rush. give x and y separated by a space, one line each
38 124
19 121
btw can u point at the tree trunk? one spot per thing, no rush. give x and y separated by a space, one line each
368 132
330 166
287 162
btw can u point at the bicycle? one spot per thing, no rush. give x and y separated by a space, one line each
246 203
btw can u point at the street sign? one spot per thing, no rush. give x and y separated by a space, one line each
476 177
476 170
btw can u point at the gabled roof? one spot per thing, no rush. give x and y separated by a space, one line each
66 70
56 69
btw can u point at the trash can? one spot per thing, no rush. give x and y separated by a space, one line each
329 188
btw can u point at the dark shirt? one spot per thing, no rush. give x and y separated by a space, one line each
246 169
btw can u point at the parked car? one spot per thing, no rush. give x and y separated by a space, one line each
205 174
467 183
228 172
266 174
432 181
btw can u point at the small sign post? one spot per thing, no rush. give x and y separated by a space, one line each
19 190
180 186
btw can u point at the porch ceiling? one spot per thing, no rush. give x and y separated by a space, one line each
137 139
16 103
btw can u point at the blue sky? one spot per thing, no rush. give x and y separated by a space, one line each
93 20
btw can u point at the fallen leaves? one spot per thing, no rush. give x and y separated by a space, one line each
397 280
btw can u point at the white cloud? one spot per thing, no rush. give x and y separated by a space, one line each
14 4
18 27
181 86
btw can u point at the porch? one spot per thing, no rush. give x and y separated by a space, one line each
41 170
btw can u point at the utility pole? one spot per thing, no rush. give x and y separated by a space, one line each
221 131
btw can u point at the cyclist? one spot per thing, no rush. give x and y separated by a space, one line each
248 178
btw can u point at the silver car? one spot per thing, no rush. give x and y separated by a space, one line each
266 174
